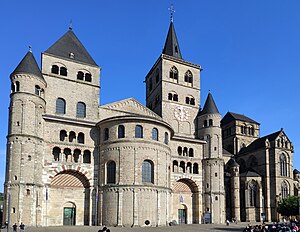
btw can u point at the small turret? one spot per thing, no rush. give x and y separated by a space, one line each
235 188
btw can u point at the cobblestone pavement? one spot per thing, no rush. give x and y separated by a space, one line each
183 228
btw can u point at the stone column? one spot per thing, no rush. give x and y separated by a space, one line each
158 208
135 207
120 207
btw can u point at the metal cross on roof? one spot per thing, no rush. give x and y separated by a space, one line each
172 11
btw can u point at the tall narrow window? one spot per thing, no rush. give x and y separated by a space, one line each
81 110
56 153
80 75
188 78
166 138
284 189
155 134
195 168
147 171
60 106
63 71
17 86
121 131
138 131
87 157
37 90
205 123
111 172
76 155
211 122
106 134
191 152
80 138
283 165
253 194
54 69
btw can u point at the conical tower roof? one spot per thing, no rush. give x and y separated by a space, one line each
29 65
171 47
209 106
69 46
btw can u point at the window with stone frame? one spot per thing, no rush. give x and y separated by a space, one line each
173 74
147 171
138 131
111 172
253 194
81 110
60 106
121 131
155 134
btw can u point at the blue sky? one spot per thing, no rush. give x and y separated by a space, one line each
249 51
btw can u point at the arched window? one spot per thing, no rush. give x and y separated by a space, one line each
76 155
87 157
81 110
182 167
147 171
189 167
185 151
166 141
179 150
37 90
205 123
284 190
106 134
17 86
72 136
283 165
253 193
60 106
63 71
195 168
80 138
191 152
54 69
121 131
155 134
211 122
111 172
138 131
174 74
67 153
88 77
80 75
56 153
188 78
175 166
62 135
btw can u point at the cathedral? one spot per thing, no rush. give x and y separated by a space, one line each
72 161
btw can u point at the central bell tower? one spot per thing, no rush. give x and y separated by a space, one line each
173 87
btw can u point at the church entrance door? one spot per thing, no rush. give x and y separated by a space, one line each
181 216
69 216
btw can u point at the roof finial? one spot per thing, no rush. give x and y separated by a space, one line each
172 11
30 50
70 26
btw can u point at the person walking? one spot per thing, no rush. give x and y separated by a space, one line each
22 227
15 227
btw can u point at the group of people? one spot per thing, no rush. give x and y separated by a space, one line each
22 227
283 227
104 229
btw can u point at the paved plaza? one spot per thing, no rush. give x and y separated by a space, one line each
183 228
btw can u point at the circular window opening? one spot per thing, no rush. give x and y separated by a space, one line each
147 222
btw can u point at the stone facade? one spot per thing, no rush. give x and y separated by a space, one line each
73 162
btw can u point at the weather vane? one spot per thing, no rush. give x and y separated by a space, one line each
172 11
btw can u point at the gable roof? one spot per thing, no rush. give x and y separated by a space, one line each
209 106
28 65
250 173
69 43
132 107
171 47
260 142
230 116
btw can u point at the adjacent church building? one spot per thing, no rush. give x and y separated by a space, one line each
72 161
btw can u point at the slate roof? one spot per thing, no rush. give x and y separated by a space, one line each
29 65
69 43
232 163
260 142
209 106
250 173
296 171
171 47
230 116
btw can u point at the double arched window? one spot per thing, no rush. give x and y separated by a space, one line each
59 70
188 78
173 96
174 74
148 171
60 106
84 76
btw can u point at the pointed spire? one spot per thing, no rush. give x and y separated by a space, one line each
171 47
209 106
28 65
